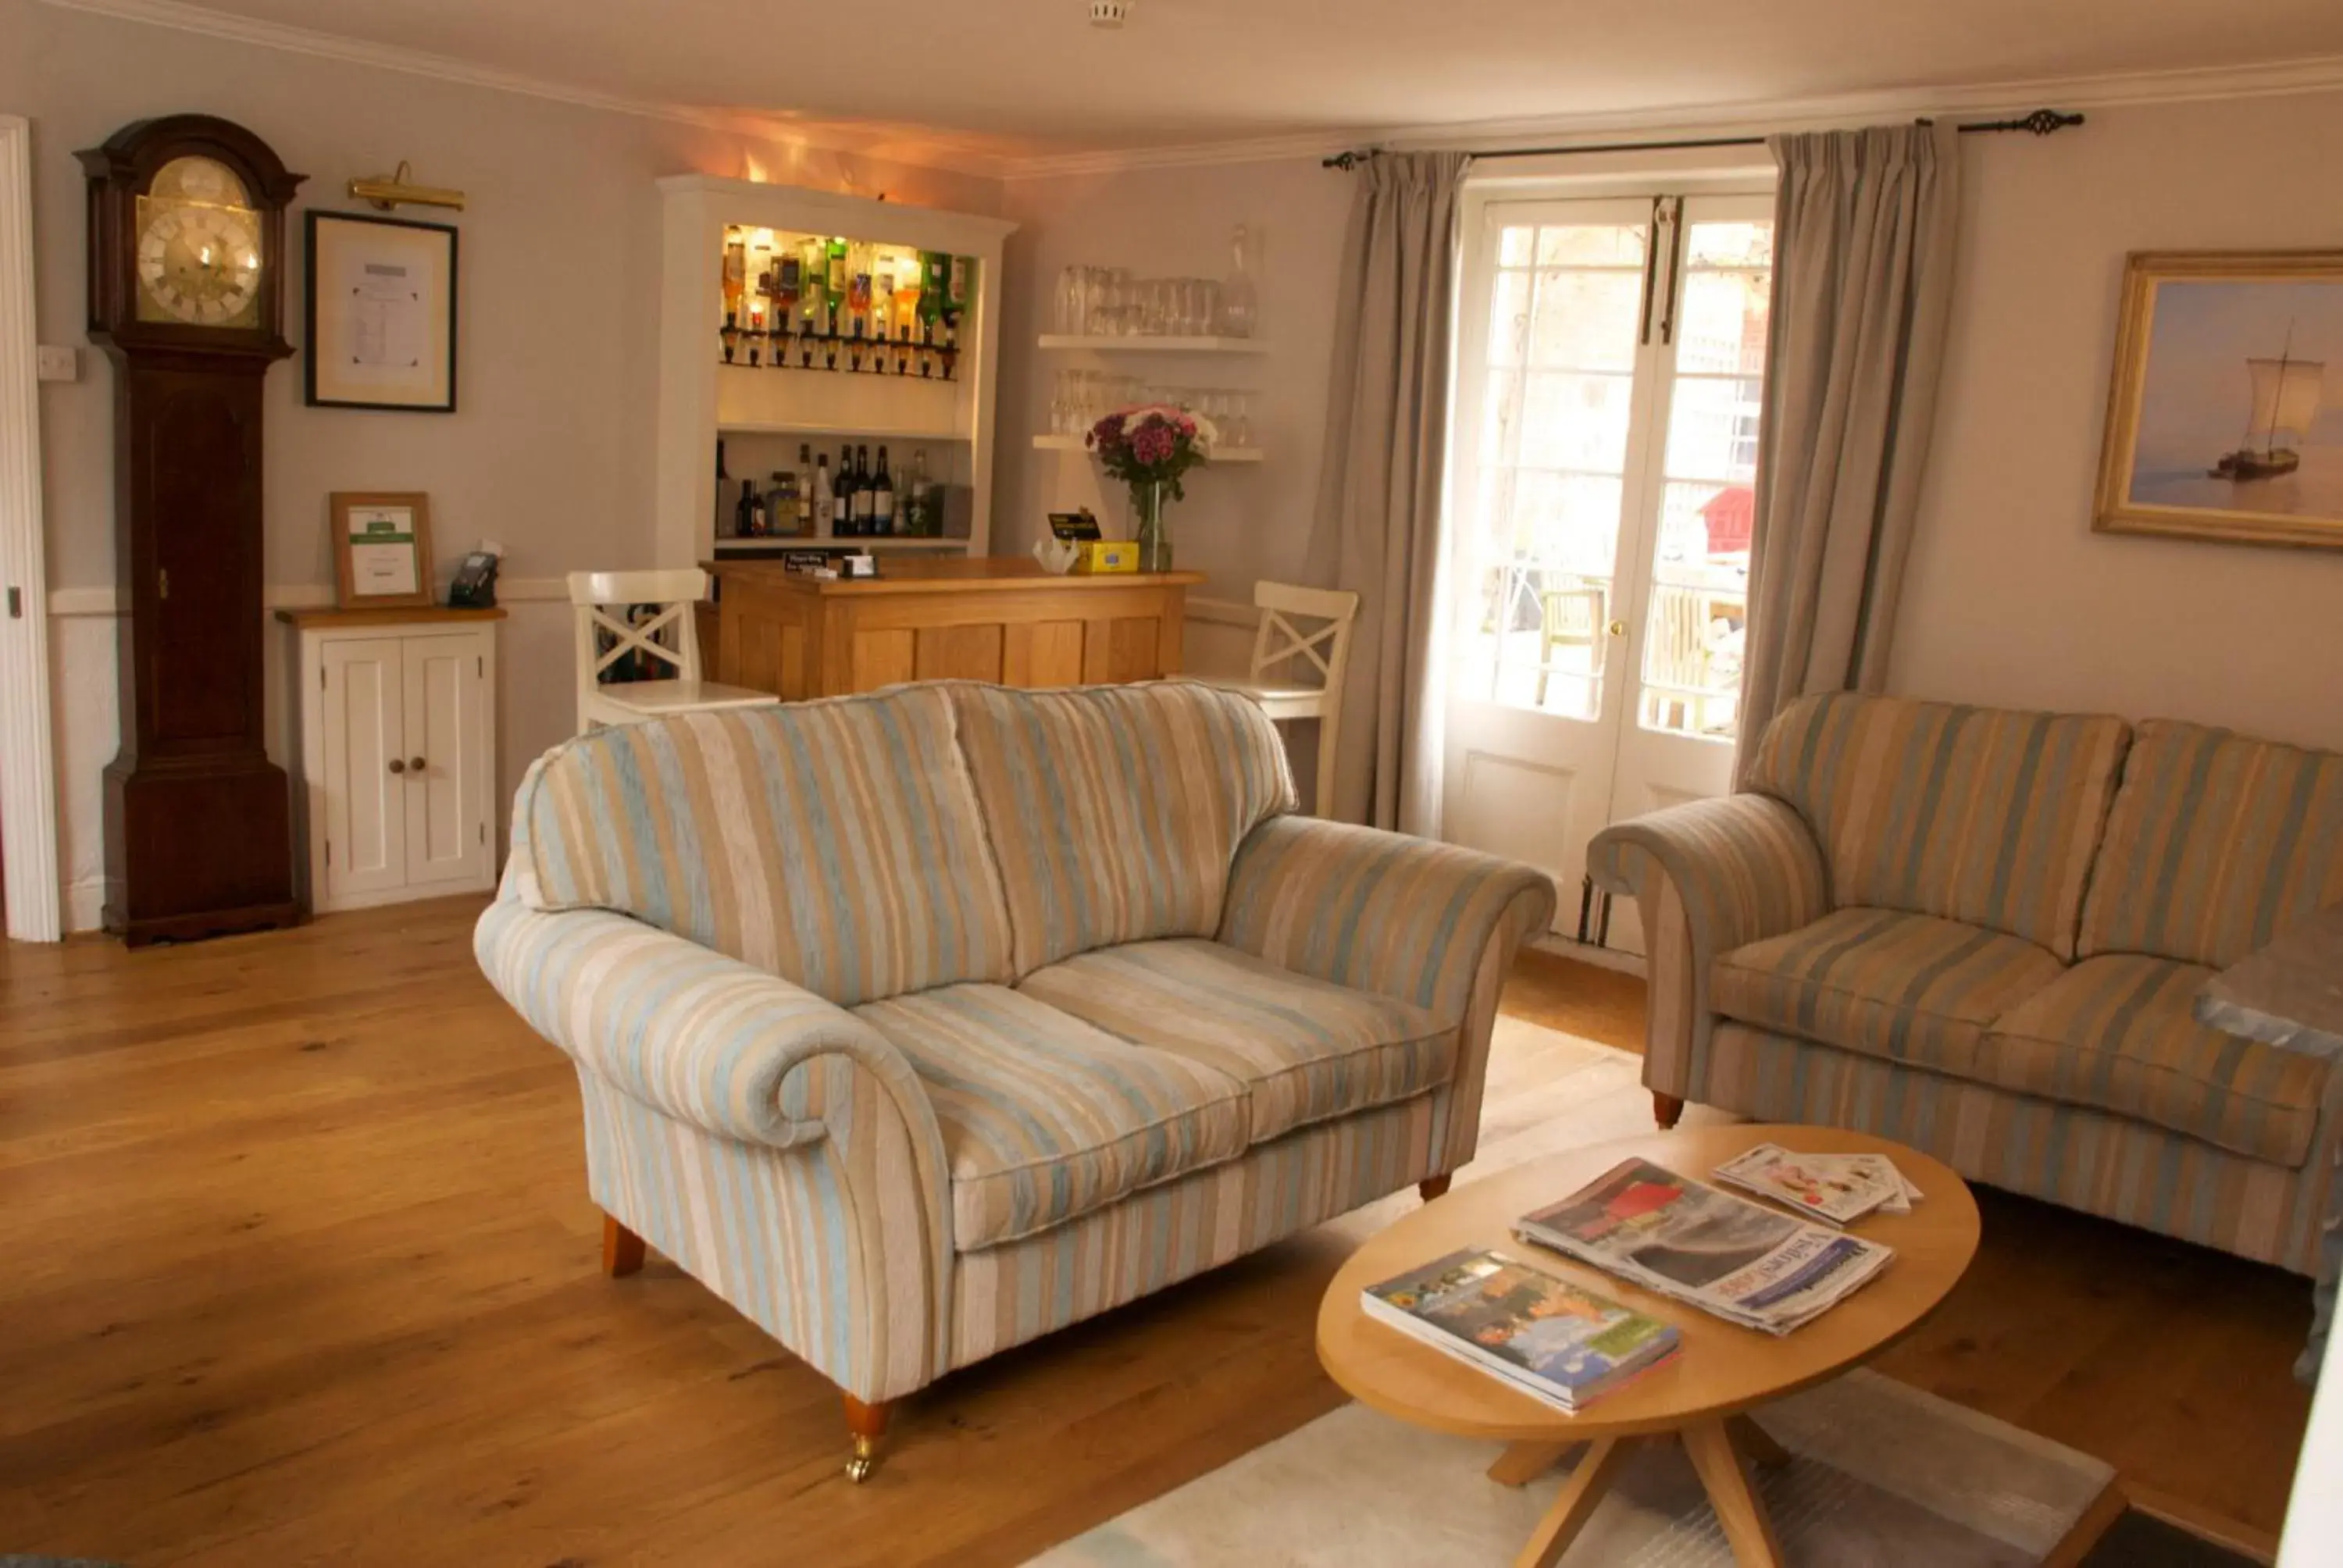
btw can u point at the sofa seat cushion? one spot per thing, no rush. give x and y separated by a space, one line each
2119 1033
1305 1049
1046 1118
1907 988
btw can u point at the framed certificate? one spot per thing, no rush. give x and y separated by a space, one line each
381 317
382 550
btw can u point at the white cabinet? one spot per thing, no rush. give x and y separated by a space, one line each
396 731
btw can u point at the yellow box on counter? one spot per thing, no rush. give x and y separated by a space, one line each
1107 555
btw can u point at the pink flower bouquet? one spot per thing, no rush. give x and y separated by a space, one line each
1153 444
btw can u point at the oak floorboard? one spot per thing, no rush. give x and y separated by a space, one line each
301 1268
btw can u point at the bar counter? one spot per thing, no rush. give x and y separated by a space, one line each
999 618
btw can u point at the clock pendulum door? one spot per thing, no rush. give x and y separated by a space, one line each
187 234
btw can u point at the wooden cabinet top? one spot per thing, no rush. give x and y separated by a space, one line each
979 574
410 614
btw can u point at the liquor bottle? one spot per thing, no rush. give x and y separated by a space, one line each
883 311
781 501
908 294
921 519
858 288
806 481
862 496
736 274
825 500
834 274
842 522
723 488
748 517
883 498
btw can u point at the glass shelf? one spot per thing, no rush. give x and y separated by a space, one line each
1156 344
776 544
1074 444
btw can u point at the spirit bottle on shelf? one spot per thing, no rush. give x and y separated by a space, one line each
834 277
807 479
842 522
858 288
748 517
864 494
729 334
825 499
723 489
883 498
915 493
736 274
882 312
780 501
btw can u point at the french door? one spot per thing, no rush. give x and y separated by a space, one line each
1611 365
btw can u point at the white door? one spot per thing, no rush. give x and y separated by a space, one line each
1606 443
446 784
366 801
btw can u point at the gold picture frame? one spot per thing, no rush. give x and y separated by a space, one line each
382 550
2224 411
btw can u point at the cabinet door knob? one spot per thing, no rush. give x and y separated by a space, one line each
414 764
397 765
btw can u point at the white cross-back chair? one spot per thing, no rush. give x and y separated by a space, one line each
1324 649
601 602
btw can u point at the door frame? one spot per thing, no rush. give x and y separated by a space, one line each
29 788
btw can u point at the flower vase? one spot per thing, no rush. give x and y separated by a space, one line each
1148 502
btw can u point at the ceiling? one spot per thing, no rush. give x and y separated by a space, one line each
1016 78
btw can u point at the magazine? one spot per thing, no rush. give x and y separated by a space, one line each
1745 1262
1553 1340
1837 1188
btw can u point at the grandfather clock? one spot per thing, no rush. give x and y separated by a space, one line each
187 247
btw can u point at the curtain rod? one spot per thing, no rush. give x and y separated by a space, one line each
2041 123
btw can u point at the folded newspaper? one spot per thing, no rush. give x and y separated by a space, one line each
1745 1262
1837 1188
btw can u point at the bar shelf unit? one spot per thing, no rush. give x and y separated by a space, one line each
1076 444
1142 345
764 412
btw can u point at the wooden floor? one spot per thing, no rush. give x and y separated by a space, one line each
299 1268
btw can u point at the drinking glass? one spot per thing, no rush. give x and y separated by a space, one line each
1073 301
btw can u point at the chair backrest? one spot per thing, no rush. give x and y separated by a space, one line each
1679 647
1572 608
601 603
1327 649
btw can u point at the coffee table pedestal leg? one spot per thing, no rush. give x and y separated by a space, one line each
1581 1494
1525 1462
1737 1507
1718 1449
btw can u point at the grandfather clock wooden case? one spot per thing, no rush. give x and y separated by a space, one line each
186 245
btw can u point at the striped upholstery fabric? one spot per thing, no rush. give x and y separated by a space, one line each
775 1147
1978 815
1431 924
1707 877
1304 1049
2104 1164
1007 1295
835 844
1909 988
2215 844
2118 1033
1115 809
1045 1118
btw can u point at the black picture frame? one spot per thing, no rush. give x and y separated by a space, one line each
315 348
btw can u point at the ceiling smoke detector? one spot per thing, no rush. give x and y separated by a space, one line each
1110 14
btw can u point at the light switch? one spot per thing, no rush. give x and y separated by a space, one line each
58 362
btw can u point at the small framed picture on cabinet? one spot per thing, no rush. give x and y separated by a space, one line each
381 313
382 550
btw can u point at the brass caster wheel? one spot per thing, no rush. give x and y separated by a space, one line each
865 1461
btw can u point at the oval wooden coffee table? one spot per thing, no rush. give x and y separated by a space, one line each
1703 1396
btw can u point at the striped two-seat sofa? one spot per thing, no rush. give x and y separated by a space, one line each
1982 932
919 1025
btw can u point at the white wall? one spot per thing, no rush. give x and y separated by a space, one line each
551 450
2011 598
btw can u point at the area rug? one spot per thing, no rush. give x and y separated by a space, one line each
1883 1476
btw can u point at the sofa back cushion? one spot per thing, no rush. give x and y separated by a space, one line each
2216 843
835 844
1982 815
1115 810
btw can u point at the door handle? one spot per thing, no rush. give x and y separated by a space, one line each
414 764
1617 628
397 765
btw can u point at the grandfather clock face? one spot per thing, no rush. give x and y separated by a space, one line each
200 260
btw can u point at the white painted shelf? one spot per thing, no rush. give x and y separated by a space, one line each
1156 344
1222 455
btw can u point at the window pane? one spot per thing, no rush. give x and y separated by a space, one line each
1713 429
1567 521
1592 244
1721 326
1577 421
1587 320
1514 245
1730 244
1509 317
1697 622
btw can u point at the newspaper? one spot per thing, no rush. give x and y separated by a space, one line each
1746 1263
1835 1188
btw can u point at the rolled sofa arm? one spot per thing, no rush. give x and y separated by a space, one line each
1429 923
1707 877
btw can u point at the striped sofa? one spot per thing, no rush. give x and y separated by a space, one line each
1982 932
920 1024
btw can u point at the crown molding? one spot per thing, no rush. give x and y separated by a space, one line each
186 19
2319 74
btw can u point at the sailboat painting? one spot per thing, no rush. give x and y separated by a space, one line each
2226 416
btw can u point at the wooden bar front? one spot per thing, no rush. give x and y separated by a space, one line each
999 619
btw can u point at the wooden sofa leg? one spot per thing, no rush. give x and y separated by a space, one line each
622 1250
1435 1186
1665 1108
868 1424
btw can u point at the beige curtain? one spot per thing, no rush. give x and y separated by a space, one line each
1377 530
1862 265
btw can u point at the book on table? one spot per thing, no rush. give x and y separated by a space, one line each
1552 1338
1701 1245
1835 1188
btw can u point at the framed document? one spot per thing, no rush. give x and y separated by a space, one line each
382 550
381 319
